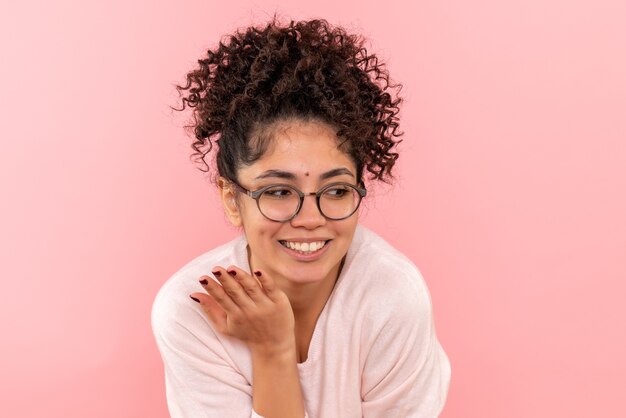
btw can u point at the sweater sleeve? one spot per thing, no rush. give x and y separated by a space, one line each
199 380
406 372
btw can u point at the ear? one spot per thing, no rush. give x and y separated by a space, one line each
227 193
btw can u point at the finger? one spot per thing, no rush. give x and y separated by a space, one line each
233 288
249 284
269 286
217 292
214 311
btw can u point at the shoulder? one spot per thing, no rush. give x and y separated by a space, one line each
393 285
384 266
189 344
172 308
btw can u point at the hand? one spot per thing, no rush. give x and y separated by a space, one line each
254 311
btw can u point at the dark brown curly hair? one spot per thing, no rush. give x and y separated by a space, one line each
306 70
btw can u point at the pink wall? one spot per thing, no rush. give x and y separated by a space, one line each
510 199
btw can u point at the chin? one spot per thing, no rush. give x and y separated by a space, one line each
306 274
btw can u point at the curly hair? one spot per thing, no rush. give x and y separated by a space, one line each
305 70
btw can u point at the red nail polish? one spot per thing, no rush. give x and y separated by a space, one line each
197 300
204 281
217 273
257 273
232 272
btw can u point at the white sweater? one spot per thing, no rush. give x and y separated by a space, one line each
374 352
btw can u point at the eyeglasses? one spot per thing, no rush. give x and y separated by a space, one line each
282 202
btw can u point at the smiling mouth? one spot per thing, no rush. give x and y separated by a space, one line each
304 247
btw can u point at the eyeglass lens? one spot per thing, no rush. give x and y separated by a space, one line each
281 202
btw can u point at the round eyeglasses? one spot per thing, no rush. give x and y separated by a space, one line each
282 202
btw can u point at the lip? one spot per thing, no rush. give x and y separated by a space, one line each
309 240
305 257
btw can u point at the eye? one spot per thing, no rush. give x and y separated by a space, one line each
277 193
337 192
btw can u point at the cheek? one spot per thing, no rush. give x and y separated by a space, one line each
347 232
348 226
257 227
251 218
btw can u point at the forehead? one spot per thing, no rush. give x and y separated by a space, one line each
302 147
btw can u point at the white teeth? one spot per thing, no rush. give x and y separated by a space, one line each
304 247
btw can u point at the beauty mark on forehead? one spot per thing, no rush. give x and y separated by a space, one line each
291 176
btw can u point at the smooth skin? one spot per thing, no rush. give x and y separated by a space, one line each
275 313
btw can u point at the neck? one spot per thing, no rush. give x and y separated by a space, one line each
309 298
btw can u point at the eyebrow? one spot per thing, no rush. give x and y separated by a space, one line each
290 176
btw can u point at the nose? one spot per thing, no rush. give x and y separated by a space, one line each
309 215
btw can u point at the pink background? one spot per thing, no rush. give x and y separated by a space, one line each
510 196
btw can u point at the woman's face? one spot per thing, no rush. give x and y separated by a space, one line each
299 155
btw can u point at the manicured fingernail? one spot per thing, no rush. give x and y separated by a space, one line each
204 281
197 300
257 273
232 272
217 273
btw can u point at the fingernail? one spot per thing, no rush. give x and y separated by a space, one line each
257 273
217 273
195 299
204 281
232 272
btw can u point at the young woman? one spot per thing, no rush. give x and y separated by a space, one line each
307 313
